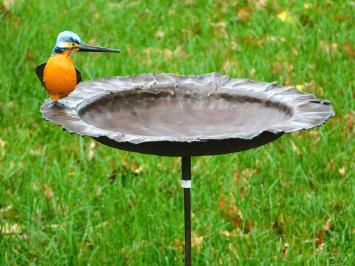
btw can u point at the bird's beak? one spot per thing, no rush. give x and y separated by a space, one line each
90 48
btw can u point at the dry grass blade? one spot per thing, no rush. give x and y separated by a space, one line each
91 152
230 212
7 5
10 229
196 240
48 192
320 242
244 14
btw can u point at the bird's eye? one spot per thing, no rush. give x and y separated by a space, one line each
72 44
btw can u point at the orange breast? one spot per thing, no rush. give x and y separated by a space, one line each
59 76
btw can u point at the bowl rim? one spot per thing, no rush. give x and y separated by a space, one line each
307 110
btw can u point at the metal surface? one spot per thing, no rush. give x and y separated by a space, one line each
186 176
192 115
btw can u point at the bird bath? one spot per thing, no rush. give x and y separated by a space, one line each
184 116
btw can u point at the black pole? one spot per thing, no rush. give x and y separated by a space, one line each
186 184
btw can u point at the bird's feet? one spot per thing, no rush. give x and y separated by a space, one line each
57 105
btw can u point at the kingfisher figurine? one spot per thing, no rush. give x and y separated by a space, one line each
59 75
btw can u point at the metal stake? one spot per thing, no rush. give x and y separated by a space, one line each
186 184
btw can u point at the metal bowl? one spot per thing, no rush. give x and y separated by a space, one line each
175 115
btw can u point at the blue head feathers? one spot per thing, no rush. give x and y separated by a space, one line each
64 39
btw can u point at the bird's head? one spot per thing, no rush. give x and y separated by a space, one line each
68 41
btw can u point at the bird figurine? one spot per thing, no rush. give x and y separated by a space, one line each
59 75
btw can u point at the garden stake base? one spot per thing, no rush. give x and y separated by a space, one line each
186 184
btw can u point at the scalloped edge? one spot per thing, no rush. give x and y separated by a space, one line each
308 111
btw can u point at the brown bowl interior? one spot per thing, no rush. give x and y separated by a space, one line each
178 113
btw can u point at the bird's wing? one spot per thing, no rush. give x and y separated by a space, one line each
39 72
78 76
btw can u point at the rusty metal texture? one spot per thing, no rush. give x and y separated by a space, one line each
185 115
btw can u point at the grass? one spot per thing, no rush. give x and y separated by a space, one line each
65 201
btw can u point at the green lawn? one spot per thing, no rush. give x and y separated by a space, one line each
65 200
